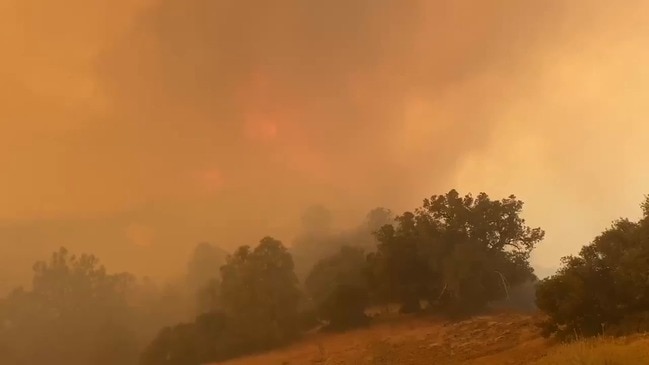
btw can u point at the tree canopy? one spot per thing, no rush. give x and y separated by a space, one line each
346 267
457 251
605 288
338 286
260 291
259 298
75 313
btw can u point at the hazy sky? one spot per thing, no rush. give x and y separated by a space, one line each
135 128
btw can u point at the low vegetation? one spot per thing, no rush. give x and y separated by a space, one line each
455 253
453 258
601 351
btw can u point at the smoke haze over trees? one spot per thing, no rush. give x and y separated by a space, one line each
134 129
318 239
455 255
174 130
453 252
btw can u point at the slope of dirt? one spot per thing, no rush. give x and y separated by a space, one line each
486 340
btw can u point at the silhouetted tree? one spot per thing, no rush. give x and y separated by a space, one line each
401 263
458 252
604 288
75 313
347 267
260 293
205 340
314 244
344 273
345 306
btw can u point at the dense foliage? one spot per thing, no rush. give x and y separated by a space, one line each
207 339
603 289
344 307
338 286
346 267
260 291
259 297
455 252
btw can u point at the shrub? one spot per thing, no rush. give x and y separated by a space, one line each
207 339
345 307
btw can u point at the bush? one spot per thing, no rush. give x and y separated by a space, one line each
345 267
207 339
633 323
345 307
260 298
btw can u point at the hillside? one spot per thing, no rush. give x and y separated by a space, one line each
494 339
498 339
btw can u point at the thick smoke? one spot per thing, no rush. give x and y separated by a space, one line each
360 101
147 126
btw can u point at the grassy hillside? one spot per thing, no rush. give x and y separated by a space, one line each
625 351
498 339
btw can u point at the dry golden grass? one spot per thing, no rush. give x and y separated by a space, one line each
498 339
602 351
495 339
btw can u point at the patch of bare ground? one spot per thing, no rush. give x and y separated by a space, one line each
502 339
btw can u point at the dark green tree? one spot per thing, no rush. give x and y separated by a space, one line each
346 267
331 279
258 309
205 340
603 289
344 307
260 293
400 268
456 251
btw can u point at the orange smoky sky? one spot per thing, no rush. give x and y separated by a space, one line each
134 129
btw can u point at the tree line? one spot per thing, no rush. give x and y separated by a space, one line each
455 255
